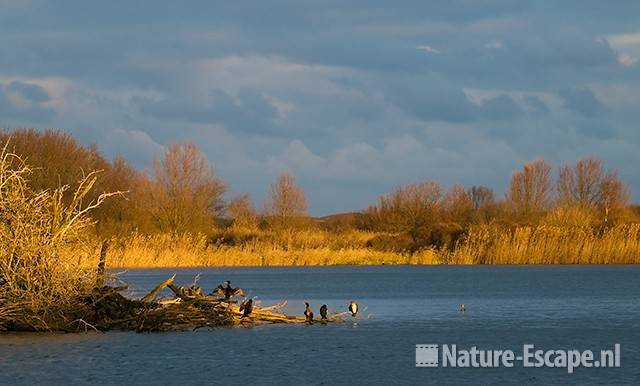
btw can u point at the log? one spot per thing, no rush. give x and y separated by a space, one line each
108 309
157 289
101 275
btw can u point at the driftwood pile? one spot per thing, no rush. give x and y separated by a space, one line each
188 309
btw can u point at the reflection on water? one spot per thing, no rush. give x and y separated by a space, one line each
581 307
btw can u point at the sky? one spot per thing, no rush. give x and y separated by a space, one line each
351 98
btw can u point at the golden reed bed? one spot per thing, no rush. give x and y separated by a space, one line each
483 245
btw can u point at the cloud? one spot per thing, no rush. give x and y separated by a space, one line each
137 145
431 99
494 45
536 104
627 46
22 104
31 92
250 111
428 49
583 101
500 108
598 129
352 100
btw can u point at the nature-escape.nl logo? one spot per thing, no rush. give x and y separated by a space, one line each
429 355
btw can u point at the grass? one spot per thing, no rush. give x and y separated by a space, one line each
164 250
550 245
487 244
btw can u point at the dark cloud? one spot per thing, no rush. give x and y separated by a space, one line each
436 101
500 108
250 113
430 100
32 92
341 80
29 112
536 104
597 129
583 101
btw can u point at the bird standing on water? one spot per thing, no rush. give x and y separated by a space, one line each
308 313
353 308
323 312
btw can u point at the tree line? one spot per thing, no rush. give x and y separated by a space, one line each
180 192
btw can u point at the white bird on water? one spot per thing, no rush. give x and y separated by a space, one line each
353 308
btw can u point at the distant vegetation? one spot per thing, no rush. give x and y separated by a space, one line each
175 214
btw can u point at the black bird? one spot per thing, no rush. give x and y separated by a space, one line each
323 312
246 307
353 308
228 291
308 313
221 290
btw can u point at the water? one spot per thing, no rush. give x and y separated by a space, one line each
553 307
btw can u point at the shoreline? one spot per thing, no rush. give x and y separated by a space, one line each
160 267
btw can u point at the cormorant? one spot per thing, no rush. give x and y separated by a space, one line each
323 312
246 307
228 291
308 313
353 308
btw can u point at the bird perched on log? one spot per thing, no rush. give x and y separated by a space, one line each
353 308
323 312
308 313
227 291
246 307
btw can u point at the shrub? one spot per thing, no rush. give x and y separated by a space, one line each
44 249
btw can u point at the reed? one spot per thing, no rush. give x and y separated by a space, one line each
44 246
546 244
486 244
165 250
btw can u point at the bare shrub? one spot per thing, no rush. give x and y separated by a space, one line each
44 247
242 212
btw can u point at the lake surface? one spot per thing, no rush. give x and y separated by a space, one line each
552 307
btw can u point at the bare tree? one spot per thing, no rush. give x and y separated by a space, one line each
409 208
481 197
121 215
589 186
185 193
580 185
530 188
484 204
458 204
613 194
242 212
287 202
59 159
